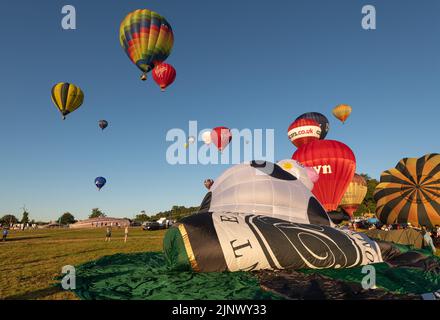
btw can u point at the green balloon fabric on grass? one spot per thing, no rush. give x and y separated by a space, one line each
146 276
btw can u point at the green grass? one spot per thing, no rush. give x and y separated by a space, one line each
30 260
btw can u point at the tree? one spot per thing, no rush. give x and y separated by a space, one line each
67 218
9 219
142 217
25 218
96 213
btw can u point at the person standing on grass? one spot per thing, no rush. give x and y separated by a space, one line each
126 234
5 233
108 235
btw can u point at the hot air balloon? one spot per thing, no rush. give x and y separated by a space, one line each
103 124
342 112
164 74
100 182
335 163
303 131
355 194
206 137
307 175
208 183
67 97
410 192
221 137
320 118
147 39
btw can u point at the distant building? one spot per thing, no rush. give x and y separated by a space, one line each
100 222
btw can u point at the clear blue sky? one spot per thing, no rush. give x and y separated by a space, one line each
240 63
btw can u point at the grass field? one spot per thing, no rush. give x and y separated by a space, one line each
30 260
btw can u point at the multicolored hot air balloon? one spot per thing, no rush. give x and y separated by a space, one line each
103 124
303 131
164 75
355 194
320 118
221 137
147 39
342 112
335 163
100 182
67 97
410 192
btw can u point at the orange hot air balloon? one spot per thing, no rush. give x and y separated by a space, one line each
342 112
164 74
335 163
355 194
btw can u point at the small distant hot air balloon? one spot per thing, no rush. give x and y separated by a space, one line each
355 194
320 118
164 74
67 97
206 137
221 137
147 38
100 182
191 140
303 131
335 163
103 124
342 112
208 183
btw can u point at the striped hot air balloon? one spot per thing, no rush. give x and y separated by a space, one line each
147 39
342 112
355 194
410 192
320 118
67 97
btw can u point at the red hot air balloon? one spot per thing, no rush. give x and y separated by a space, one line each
164 74
221 136
335 163
303 131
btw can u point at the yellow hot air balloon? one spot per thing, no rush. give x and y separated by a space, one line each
355 194
342 112
67 97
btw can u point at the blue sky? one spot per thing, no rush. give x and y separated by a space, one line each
240 63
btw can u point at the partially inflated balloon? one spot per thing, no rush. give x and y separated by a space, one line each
308 176
103 124
335 163
67 97
100 182
164 74
147 39
303 131
221 137
355 194
342 112
320 118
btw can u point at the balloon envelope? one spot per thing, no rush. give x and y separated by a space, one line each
67 97
100 182
355 194
221 137
410 192
206 137
103 124
335 163
306 175
320 118
342 112
303 131
164 75
147 38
